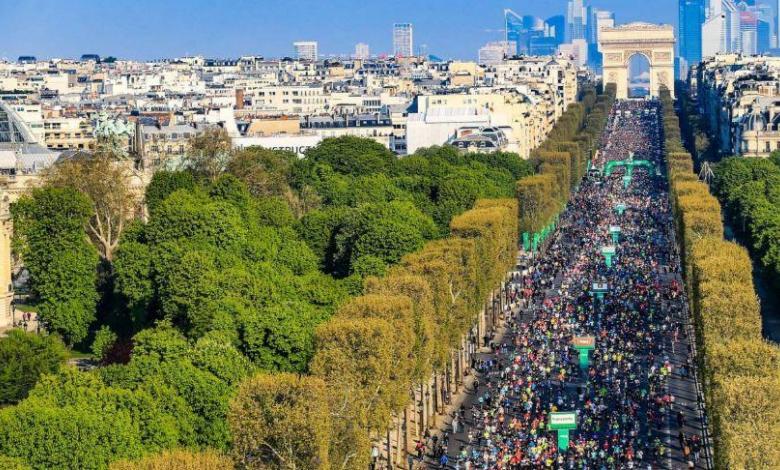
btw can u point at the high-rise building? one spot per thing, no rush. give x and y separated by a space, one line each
721 30
748 32
362 51
306 50
403 40
557 26
689 34
575 21
764 36
494 52
597 19
513 26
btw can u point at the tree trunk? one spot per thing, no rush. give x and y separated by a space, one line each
435 393
398 447
389 451
423 413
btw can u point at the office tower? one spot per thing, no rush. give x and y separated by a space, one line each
361 51
720 32
494 52
689 34
403 40
575 21
748 32
764 36
513 26
558 27
597 19
306 50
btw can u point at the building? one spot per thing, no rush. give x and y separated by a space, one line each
362 51
597 20
557 28
514 31
403 40
306 50
576 16
68 133
543 46
739 96
689 33
494 52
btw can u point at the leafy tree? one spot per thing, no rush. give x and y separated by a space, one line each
104 341
49 235
281 421
209 153
280 337
24 357
160 343
266 172
177 459
350 155
164 183
106 182
387 231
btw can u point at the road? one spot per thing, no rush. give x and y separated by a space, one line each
637 394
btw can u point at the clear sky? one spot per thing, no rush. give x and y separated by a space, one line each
151 29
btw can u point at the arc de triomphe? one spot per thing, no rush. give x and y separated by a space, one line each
655 42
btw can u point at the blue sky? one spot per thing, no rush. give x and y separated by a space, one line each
150 29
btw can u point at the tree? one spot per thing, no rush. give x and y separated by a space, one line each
280 337
164 183
265 172
354 156
105 180
177 459
354 358
49 235
105 339
281 421
24 357
386 231
209 153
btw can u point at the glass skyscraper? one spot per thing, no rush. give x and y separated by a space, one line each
689 31
515 31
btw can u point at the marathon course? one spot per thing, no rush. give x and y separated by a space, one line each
634 403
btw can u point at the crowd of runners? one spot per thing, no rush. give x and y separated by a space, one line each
622 400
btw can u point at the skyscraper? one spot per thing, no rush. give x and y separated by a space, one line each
597 19
403 40
306 50
689 34
513 25
720 32
576 20
361 51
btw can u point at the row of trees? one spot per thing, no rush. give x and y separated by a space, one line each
740 371
561 161
377 350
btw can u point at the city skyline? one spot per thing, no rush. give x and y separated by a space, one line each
197 28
